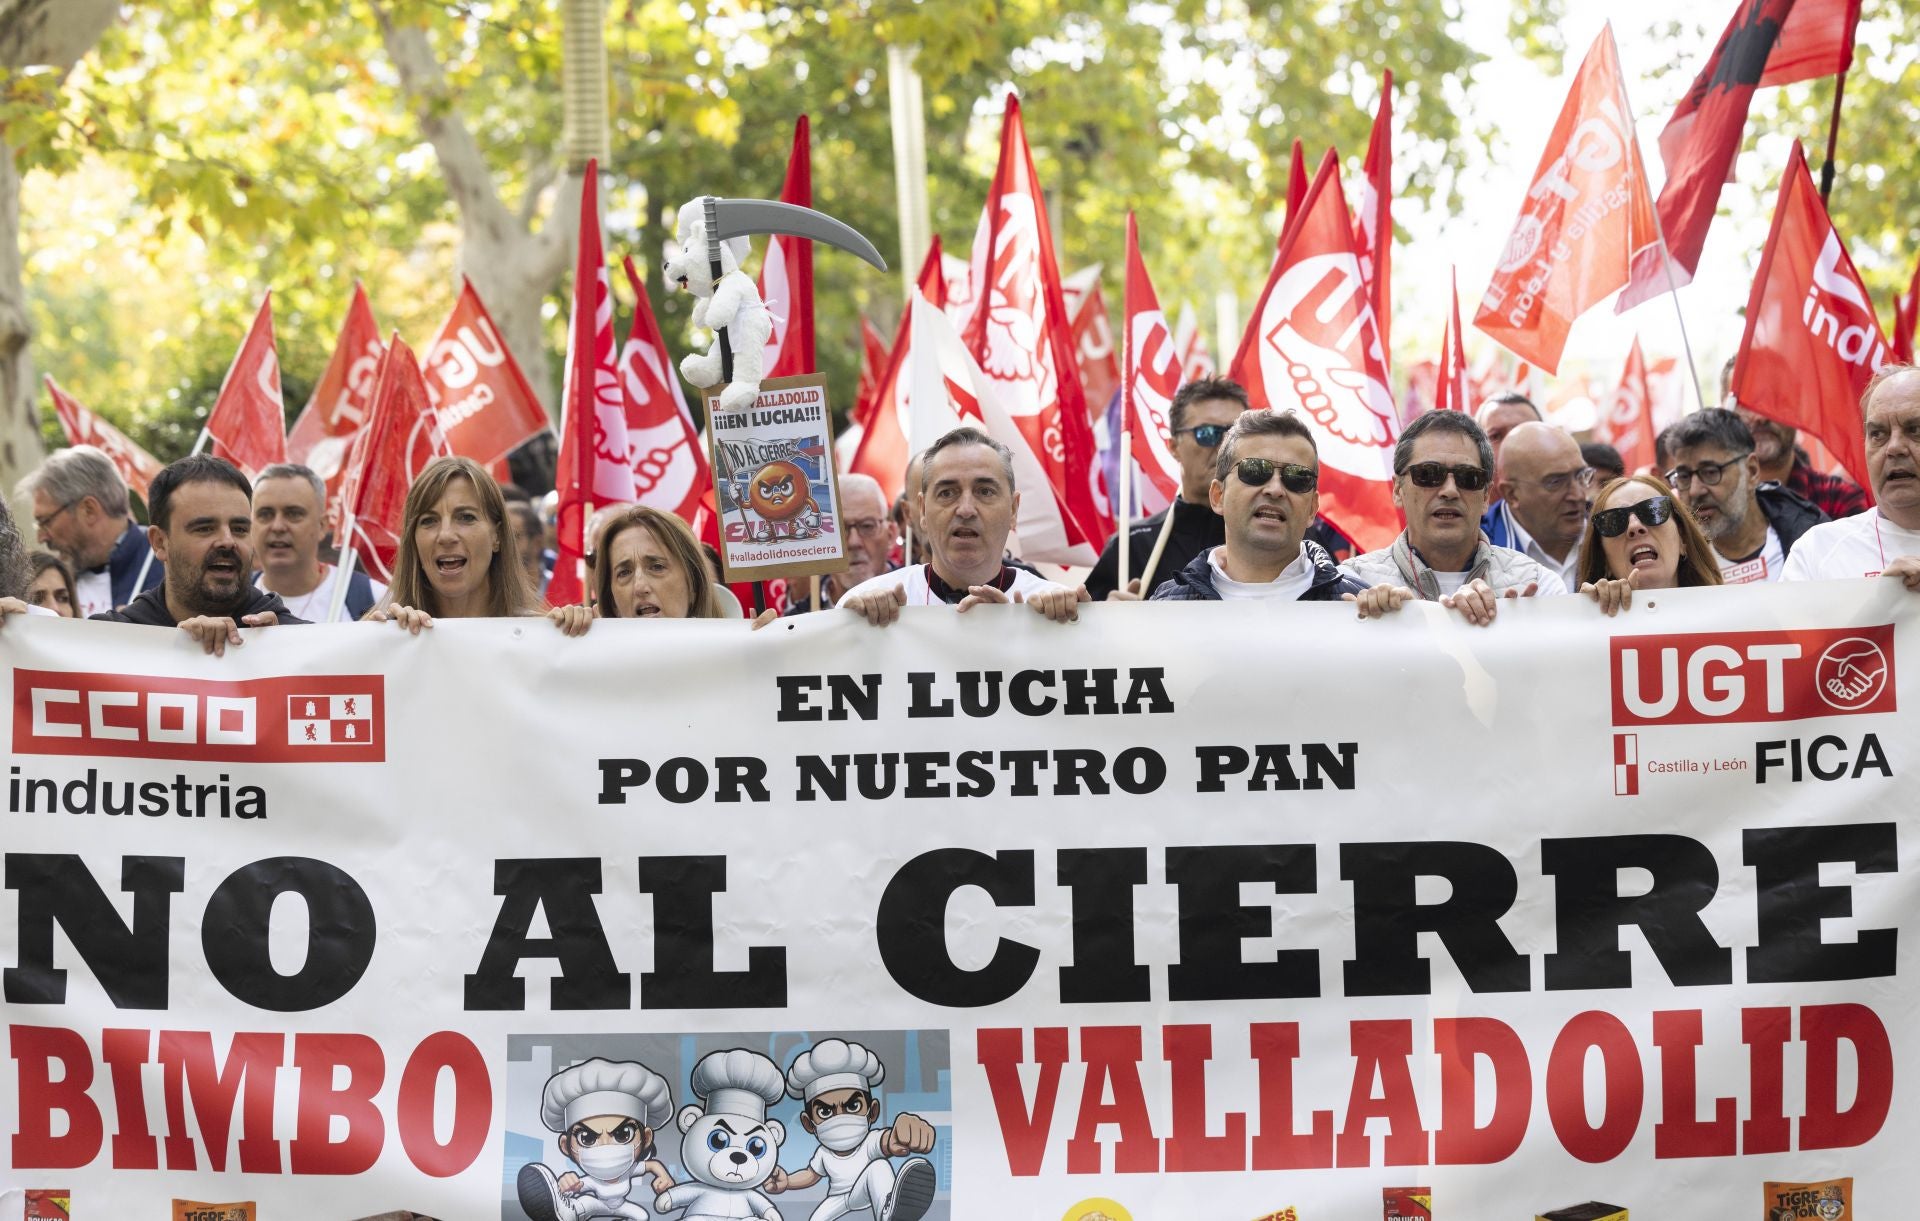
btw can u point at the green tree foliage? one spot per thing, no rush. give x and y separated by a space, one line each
211 152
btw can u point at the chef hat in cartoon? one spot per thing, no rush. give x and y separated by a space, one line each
737 1082
605 1087
834 1064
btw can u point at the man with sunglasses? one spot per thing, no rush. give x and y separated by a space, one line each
1265 491
1546 490
1752 526
1442 470
1884 541
1199 416
80 506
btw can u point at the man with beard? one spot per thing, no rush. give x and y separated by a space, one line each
968 505
1785 463
866 531
1752 526
202 531
1884 540
80 506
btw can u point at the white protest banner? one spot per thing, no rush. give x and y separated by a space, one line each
774 483
1181 911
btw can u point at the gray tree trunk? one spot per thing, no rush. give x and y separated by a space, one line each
33 33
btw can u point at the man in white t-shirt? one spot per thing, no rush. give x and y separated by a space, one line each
968 505
1753 527
1884 540
1266 490
289 520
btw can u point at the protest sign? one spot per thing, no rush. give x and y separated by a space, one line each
778 496
1125 921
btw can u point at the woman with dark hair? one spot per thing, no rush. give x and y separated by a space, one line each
450 563
1640 537
52 585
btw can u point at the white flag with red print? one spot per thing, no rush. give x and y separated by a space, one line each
401 436
595 465
83 427
248 424
786 273
1373 219
956 288
1094 350
888 440
1312 347
484 401
1021 338
342 400
670 470
1149 381
1628 423
950 389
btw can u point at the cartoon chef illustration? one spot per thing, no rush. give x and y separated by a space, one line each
606 1113
835 1083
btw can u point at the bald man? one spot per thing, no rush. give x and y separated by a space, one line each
1499 416
1546 492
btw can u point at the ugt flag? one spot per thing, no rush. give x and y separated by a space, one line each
341 400
485 404
399 439
248 425
1149 381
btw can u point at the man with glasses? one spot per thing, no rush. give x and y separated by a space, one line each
1199 416
866 531
1442 471
1265 490
1752 526
1546 491
80 506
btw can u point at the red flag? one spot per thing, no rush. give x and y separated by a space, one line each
670 470
83 427
1767 42
1297 183
1906 313
873 362
1628 422
248 424
595 455
1196 358
484 401
342 399
1584 219
1152 377
1020 335
786 274
1451 391
401 436
1812 340
1311 346
1093 346
884 448
1373 219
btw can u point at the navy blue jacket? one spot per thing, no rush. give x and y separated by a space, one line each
1194 583
123 566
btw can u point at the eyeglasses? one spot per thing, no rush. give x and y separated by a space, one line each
1554 485
1256 472
1206 436
1709 473
41 523
1653 511
867 525
1434 475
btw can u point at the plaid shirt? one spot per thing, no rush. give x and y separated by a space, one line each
1836 495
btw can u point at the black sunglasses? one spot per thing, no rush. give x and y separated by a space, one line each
1206 436
1653 511
1255 472
1434 475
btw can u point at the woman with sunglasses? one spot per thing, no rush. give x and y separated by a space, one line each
1640 538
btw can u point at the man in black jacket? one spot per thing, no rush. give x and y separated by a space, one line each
1266 491
202 510
1752 525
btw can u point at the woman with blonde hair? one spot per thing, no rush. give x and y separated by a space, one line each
1640 537
450 564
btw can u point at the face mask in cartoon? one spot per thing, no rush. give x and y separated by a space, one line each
607 1163
843 1133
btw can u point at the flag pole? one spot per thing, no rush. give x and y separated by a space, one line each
1659 228
1833 138
1124 554
344 576
1126 496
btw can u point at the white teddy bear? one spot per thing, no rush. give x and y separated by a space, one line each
729 1147
732 304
